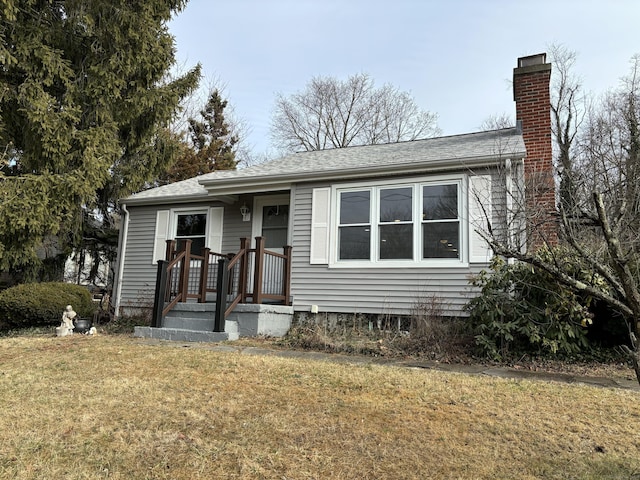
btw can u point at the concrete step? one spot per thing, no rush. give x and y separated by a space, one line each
202 323
190 308
194 322
183 335
189 323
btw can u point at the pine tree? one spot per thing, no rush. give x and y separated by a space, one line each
211 144
84 101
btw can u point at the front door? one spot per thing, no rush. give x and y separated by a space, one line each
271 221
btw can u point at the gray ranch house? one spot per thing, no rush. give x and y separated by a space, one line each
358 230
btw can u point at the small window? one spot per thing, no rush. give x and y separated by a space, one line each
354 231
191 226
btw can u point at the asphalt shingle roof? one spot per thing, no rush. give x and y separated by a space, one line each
483 145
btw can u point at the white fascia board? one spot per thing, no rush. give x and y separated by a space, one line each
268 184
275 182
179 199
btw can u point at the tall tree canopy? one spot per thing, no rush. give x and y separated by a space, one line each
83 102
331 113
211 143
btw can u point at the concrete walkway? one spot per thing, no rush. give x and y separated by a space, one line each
502 372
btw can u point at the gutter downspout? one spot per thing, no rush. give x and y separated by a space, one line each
515 191
122 248
508 180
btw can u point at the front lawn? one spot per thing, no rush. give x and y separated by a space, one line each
113 407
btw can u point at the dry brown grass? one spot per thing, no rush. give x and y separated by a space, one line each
110 407
445 342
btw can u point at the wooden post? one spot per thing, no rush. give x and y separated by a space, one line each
287 275
221 294
184 272
159 298
171 248
258 270
204 274
242 281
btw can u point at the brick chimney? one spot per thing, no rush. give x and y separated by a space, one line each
531 80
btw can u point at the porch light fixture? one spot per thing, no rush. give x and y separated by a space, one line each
246 214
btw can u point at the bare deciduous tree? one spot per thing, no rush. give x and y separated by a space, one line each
599 160
567 113
331 113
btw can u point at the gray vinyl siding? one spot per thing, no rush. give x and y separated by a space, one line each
376 290
233 227
139 271
345 290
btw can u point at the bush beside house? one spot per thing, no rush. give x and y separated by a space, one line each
522 309
42 304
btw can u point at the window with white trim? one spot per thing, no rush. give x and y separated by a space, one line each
395 223
354 231
191 226
414 222
440 221
203 226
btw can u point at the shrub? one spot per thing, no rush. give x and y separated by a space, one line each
524 309
125 324
42 304
432 333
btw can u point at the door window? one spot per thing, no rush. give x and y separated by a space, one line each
275 221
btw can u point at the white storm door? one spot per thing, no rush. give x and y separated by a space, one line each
271 220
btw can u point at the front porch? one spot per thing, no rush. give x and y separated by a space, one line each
215 297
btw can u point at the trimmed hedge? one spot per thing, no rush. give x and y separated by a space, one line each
42 304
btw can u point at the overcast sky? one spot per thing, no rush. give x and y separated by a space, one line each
456 57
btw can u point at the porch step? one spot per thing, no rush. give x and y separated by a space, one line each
188 309
183 335
191 316
194 322
189 323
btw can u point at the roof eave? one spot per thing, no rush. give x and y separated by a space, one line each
179 199
265 183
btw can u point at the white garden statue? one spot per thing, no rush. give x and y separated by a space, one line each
66 327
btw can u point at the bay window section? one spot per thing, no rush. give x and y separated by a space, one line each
440 221
354 230
402 223
395 228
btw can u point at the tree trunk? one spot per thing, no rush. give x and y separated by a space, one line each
635 359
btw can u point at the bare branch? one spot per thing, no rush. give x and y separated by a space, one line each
618 260
331 113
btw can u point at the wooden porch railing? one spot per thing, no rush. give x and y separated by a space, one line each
253 275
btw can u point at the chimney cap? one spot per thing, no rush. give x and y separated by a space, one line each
538 59
531 64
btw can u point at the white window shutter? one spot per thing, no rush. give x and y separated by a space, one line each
215 221
320 215
161 235
480 213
